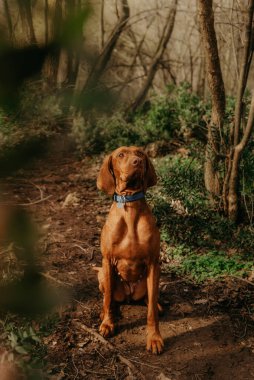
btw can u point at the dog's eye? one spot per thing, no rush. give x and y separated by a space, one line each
120 155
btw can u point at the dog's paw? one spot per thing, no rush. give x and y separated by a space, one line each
107 329
154 343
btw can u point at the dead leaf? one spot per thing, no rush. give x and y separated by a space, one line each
71 200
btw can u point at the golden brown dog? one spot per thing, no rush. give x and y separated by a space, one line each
130 240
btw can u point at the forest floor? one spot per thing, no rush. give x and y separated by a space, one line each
208 329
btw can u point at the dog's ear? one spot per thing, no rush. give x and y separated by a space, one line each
150 178
105 180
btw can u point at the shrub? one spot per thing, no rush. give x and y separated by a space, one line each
182 179
169 116
106 134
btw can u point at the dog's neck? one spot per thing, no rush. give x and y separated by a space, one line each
124 188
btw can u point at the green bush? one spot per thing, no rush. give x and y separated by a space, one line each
106 134
169 116
182 179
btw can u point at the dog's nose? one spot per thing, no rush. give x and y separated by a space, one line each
136 162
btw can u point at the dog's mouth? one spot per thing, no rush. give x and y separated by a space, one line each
130 181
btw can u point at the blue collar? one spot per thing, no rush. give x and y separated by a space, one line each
128 198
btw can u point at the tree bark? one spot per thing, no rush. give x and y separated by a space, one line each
244 72
231 182
168 29
217 90
233 196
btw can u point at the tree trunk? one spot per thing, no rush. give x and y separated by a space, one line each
46 21
52 63
9 20
103 59
25 9
168 29
231 182
244 72
216 85
233 196
102 24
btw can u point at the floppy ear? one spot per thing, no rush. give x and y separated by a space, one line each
105 180
150 175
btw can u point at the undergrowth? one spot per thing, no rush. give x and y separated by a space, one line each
197 240
24 341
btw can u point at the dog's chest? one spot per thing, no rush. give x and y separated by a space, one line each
131 238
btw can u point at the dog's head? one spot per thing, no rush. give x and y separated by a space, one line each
125 171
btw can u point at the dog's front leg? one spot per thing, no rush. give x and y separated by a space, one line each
107 325
154 339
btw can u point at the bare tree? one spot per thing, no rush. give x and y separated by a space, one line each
239 136
46 21
9 20
102 24
162 45
25 9
216 85
103 59
52 63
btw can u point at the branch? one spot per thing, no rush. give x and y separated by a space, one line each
123 359
167 32
247 56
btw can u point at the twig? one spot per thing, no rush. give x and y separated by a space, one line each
35 202
145 364
49 277
79 246
241 279
123 359
37 187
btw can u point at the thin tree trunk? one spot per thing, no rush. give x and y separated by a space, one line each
25 9
9 20
233 197
46 21
102 24
216 85
244 71
138 46
104 57
52 63
168 29
28 6
231 182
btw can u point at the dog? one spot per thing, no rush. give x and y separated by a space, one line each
130 241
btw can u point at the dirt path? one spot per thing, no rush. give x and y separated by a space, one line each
208 330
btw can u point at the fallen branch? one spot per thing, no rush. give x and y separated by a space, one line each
34 202
51 278
241 279
122 359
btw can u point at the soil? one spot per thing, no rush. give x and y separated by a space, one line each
207 329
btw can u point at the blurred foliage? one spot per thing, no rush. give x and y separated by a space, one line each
29 113
26 338
26 291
